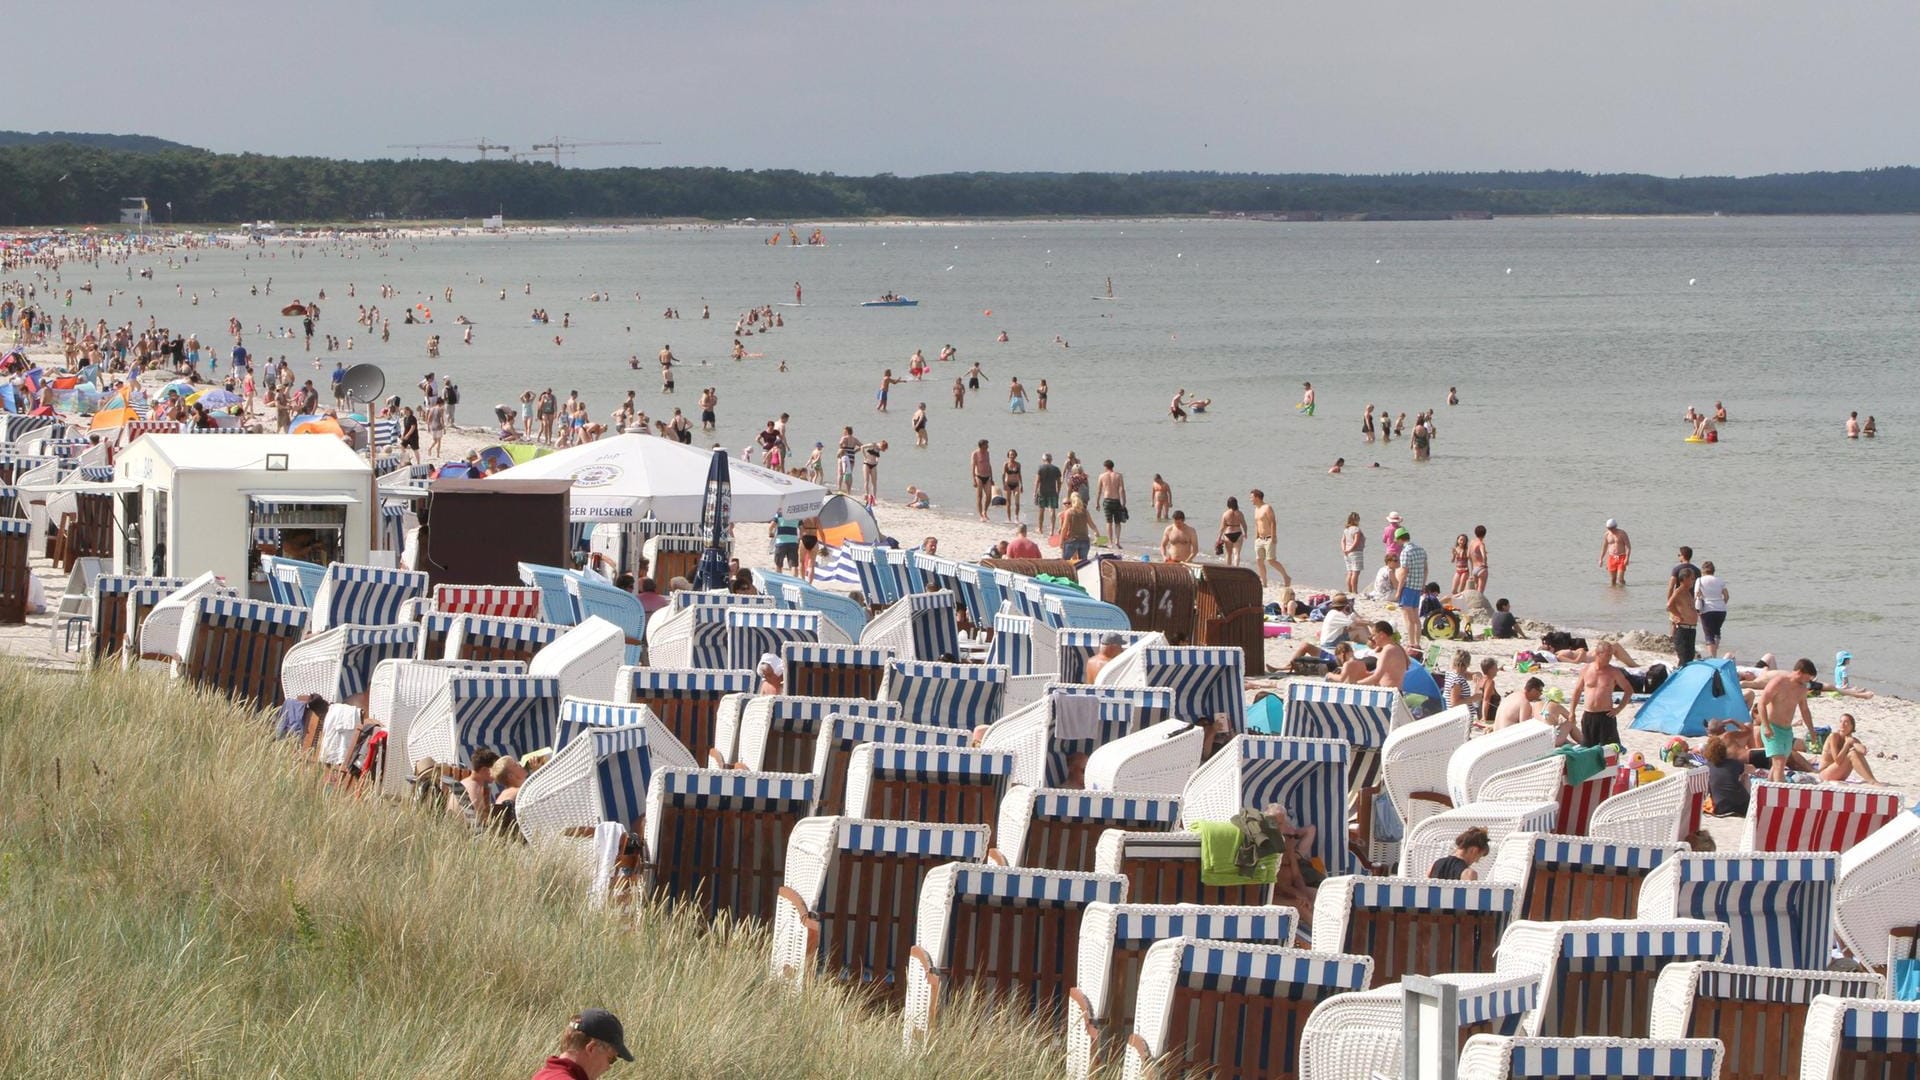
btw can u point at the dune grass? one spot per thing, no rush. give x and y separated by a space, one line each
180 898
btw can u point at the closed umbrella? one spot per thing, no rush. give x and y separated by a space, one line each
715 513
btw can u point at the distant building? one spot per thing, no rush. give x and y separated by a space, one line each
134 211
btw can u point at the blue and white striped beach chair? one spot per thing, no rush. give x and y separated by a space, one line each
1164 868
919 627
1019 643
1362 1034
846 615
718 839
235 647
1306 776
1497 1057
114 618
489 637
1231 1008
156 619
821 670
1207 681
1060 829
1052 738
1414 926
1360 716
1005 931
1597 976
1432 839
719 598
351 595
825 924
903 575
556 602
936 570
292 581
776 732
839 734
687 700
1156 760
1114 940
947 695
1848 1038
876 581
754 632
947 785
592 598
978 591
508 714
1779 907
586 660
1137 707
694 636
1066 609
604 756
338 664
401 689
1572 878
1759 1013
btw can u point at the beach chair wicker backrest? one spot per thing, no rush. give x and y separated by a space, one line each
1758 1014
364 595
718 839
508 714
236 646
1433 837
400 689
754 632
1163 867
1501 1058
1232 1009
1569 878
1650 813
1156 760
1856 1038
921 627
779 733
1778 907
1360 1034
840 734
604 756
490 637
1047 736
338 664
556 603
112 614
689 637
842 611
1015 643
846 671
1413 763
1306 776
1472 764
1598 975
947 695
1207 681
946 785
586 659
1878 890
1363 716
501 601
156 618
1816 817
1414 926
1060 829
686 700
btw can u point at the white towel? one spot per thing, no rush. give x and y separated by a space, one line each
336 734
1075 717
608 838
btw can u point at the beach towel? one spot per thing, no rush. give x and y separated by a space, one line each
1075 718
1582 761
1220 844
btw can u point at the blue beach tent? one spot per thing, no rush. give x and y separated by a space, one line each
1701 691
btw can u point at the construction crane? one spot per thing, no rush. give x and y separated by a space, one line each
482 145
560 146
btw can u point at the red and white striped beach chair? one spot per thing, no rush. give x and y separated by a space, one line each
499 601
1816 817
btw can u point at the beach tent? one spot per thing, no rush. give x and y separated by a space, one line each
624 478
1701 691
1418 680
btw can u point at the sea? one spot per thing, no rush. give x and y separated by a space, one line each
1574 345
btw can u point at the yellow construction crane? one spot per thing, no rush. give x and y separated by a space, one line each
481 145
563 146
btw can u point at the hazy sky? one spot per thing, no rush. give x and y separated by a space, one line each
1662 86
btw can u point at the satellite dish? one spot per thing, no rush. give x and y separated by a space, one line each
363 382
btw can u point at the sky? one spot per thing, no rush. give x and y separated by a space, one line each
1671 87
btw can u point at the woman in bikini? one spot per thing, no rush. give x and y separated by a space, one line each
1842 755
1233 532
1460 570
1010 481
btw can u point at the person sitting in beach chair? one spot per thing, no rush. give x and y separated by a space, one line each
490 770
1468 848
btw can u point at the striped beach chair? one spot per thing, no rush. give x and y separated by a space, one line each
694 636
604 756
556 603
777 733
1006 932
718 839
1650 813
687 700
903 574
1859 1039
338 664
1414 926
1413 774
508 714
1231 1009
1473 764
947 695
1163 867
490 637
1778 907
1306 776
91 534
1758 1014
876 580
401 688
500 601
978 592
755 632
1565 878
593 598
1207 681
918 627
840 734
1143 706
351 595
1597 976
673 556
1155 760
155 617
849 907
586 660
1816 817
1048 737
235 647
1495 1057
846 616
1020 644
134 429
1060 829
293 582
946 785
1063 608
1433 838
1361 716
15 578
1362 1034
819 670
1114 940
1878 890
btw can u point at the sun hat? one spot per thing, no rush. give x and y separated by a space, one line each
1393 518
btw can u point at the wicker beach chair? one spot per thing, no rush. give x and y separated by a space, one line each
839 735
1155 760
293 582
593 598
1114 941
1003 931
1879 891
845 614
1651 813
1778 907
1571 878
1433 838
1139 706
604 757
352 595
158 628
1361 1034
876 580
1413 774
1816 817
500 601
487 637
945 785
1021 645
777 733
1164 868
508 714
718 839
917 627
1364 717
1060 829
686 700
844 671
338 664
1306 776
754 632
114 618
979 592
1207 681
903 573
1414 926
849 906
586 659
674 556
92 534
1230 1009
1472 764
686 598
947 695
1046 735
556 602
1597 976
1077 646
401 688
15 578
1065 608
694 636
236 647
1860 1039
1495 1057
940 574
1758 1014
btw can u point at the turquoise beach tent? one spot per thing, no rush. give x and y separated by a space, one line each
1419 680
1701 691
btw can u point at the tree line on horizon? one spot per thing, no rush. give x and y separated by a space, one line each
44 183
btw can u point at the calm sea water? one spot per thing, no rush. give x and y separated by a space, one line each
1575 345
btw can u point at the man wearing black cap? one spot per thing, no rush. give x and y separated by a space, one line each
592 1042
1110 646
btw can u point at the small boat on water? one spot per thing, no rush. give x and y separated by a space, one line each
891 300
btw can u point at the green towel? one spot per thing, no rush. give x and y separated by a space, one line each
1583 761
1218 842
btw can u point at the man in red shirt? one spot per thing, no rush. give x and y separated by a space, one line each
1021 547
593 1041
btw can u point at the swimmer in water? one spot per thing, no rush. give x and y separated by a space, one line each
1341 463
1453 398
1306 398
1199 405
1853 425
1174 409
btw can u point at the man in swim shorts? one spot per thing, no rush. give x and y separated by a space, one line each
1306 398
1411 579
1615 551
1113 500
1600 722
1266 539
1682 611
1779 700
982 466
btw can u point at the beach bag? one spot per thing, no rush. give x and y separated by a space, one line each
1656 674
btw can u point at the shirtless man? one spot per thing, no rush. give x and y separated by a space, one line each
1779 700
1179 542
1174 410
1266 535
1306 398
1112 491
1600 722
1528 704
1390 660
982 479
1616 549
1683 612
1110 647
1477 559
